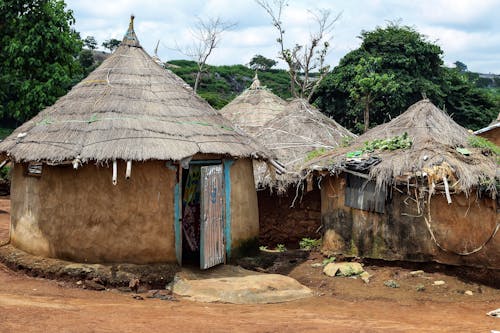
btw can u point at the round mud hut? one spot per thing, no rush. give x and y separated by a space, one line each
132 166
293 131
413 189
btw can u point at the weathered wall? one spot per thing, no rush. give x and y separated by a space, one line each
244 209
280 224
493 135
79 215
401 233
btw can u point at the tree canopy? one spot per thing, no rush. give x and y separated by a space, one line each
406 58
259 62
38 59
111 44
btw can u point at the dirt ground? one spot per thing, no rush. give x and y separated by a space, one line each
30 304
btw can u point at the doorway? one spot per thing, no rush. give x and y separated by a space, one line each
203 212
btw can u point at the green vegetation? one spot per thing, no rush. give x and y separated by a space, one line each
485 144
280 248
397 142
309 244
394 67
5 174
38 59
328 260
5 132
221 84
313 154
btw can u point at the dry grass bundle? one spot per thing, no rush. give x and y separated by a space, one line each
253 108
129 108
296 132
435 137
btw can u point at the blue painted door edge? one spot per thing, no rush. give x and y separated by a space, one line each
227 188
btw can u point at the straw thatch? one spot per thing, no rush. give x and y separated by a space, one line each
435 137
129 108
253 108
296 132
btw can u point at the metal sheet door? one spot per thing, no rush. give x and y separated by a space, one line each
212 250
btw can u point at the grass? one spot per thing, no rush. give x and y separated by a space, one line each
5 132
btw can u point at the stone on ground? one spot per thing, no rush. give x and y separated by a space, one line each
343 269
231 284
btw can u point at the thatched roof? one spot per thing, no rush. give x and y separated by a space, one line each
253 108
129 108
435 137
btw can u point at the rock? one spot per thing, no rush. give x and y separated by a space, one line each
317 264
137 297
469 293
439 283
343 269
417 273
365 276
134 284
89 284
420 287
391 284
79 283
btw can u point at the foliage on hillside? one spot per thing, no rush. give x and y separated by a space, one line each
221 84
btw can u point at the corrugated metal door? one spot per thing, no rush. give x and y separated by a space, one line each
212 216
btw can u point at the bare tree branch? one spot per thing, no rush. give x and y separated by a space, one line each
207 34
303 59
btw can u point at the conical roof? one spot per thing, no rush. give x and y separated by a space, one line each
128 108
253 108
435 138
299 130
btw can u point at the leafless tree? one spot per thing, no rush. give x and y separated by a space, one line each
302 60
207 34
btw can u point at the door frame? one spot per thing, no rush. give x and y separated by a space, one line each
226 163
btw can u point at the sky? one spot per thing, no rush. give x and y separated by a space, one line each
466 30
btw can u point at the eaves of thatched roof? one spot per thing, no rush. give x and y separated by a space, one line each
129 108
435 137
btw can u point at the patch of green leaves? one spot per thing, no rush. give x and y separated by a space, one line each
397 142
315 153
281 248
309 244
328 260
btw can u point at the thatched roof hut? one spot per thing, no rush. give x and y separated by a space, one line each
181 174
129 108
289 129
254 107
412 189
434 137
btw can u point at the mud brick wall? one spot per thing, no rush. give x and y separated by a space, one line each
280 224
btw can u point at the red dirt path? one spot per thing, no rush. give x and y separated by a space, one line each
37 305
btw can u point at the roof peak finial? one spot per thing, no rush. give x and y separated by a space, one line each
256 82
130 37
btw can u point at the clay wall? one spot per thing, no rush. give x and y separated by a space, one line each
79 215
402 234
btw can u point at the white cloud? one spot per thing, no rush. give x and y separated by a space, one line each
466 30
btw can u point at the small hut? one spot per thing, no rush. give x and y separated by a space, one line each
293 131
132 166
491 132
412 189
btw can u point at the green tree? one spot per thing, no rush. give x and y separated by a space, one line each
368 84
38 58
90 43
111 44
460 66
409 59
259 62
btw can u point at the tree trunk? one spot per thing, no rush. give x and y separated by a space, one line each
197 81
367 116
